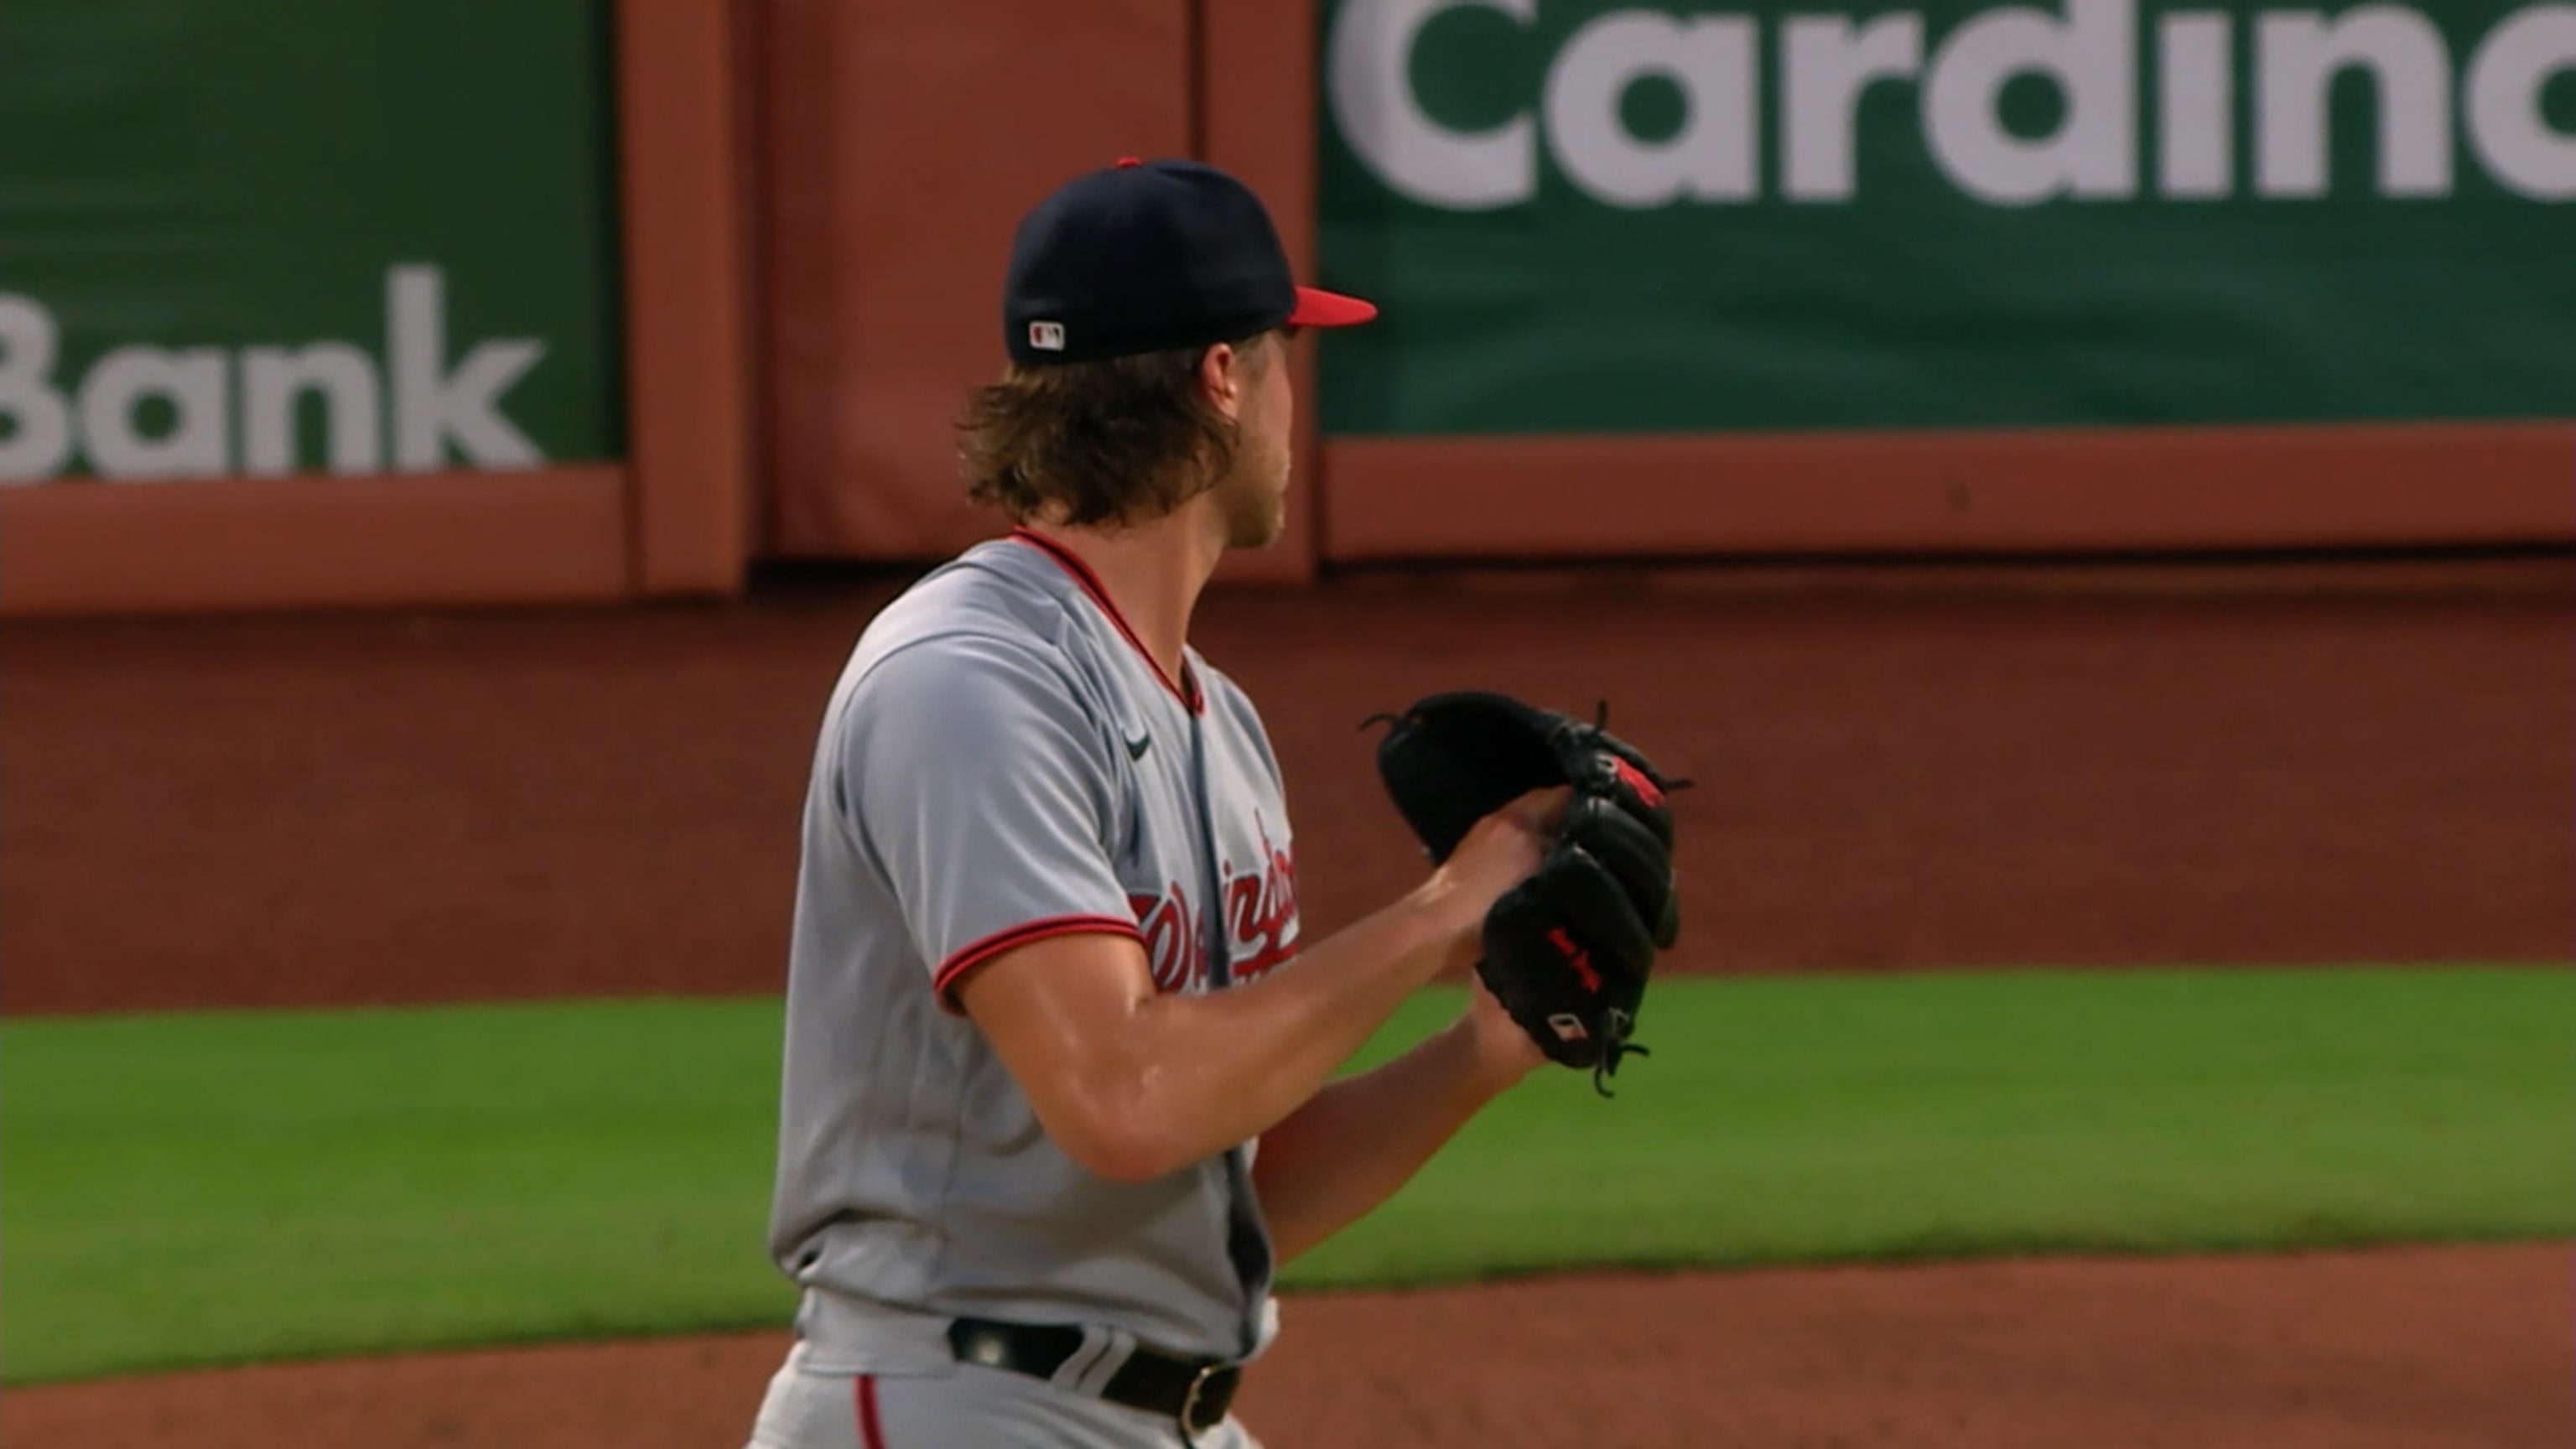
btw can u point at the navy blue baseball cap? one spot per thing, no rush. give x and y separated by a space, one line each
1146 256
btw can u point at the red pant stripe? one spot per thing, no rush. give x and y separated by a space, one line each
871 1434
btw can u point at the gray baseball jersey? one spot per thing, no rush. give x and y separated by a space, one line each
1002 762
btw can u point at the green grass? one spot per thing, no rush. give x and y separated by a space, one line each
211 1187
1914 1116
230 1186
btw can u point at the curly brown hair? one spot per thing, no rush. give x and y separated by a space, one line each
1122 440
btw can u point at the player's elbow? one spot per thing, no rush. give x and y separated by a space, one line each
1123 1161
1112 1136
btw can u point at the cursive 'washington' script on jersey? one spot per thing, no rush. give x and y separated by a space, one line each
1260 918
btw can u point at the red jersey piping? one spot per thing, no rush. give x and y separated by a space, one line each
1072 564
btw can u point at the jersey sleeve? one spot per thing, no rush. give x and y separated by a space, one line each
977 781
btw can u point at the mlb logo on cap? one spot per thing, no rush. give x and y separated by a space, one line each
1047 336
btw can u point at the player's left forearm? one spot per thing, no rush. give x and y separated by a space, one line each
1352 1145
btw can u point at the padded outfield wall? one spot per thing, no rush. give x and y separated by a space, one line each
575 299
309 304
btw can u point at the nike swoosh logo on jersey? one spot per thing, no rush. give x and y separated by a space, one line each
1137 747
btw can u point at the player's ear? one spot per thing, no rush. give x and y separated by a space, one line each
1221 376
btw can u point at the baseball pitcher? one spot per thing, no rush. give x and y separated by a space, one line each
1057 1093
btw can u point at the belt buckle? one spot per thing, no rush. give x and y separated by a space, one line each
1189 1415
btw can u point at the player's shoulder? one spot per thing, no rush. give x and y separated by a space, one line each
985 590
978 622
982 594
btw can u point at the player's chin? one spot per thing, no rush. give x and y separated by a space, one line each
1258 528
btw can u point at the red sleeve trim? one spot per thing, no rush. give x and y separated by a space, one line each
976 953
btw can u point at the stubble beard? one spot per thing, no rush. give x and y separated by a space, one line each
1254 507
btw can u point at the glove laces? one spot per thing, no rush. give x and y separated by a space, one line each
1614 1046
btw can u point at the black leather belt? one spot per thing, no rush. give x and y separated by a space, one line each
1194 1391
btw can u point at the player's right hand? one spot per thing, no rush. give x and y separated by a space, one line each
1498 853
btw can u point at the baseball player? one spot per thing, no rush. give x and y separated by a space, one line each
1055 1101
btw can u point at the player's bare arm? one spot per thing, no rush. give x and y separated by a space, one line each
1336 1158
1561 964
1133 1084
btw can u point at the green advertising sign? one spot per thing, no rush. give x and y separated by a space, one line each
305 237
1588 217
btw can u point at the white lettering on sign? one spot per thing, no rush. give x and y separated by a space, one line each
2089 53
1368 83
2092 52
1831 63
2513 140
145 411
2410 72
38 437
1715 156
2195 107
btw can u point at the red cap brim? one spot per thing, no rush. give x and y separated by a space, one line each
1319 308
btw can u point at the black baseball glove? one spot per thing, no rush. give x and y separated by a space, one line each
1568 951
